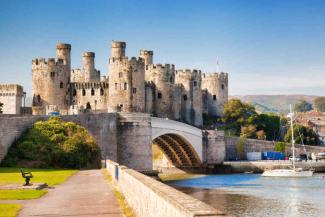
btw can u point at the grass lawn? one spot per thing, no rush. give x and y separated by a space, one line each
9 210
11 175
21 194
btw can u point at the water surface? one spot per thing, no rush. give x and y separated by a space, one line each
253 195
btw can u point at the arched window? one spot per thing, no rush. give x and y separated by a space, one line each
88 106
83 92
92 91
125 86
101 91
38 98
74 93
61 84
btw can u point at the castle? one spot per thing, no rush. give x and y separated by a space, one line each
133 85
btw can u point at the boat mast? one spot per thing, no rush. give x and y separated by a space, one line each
292 138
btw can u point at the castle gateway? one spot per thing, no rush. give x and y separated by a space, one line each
133 85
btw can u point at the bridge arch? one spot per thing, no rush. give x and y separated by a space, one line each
181 143
178 150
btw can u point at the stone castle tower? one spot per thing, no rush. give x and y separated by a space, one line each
126 81
134 84
50 81
215 93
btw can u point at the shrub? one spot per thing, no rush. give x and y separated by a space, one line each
54 143
240 148
280 146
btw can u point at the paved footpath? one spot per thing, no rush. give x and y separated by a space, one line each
86 193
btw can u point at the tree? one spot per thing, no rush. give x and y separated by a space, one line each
54 143
320 104
268 123
1 105
302 135
280 146
236 114
303 106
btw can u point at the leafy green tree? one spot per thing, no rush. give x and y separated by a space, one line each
302 135
268 123
1 105
236 114
54 143
280 146
303 106
320 104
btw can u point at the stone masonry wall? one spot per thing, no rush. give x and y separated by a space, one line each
214 148
134 141
151 198
11 97
101 126
254 145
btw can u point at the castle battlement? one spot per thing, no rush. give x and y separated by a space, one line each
49 61
188 73
89 85
215 75
160 66
11 88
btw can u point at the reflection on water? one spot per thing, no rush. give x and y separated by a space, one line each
253 195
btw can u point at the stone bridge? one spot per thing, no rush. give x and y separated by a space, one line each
127 138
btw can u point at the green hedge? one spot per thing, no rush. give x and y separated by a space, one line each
54 143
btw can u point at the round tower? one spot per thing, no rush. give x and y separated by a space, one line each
162 76
191 105
120 80
118 49
88 62
147 56
63 51
215 86
49 86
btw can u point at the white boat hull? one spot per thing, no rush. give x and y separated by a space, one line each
287 173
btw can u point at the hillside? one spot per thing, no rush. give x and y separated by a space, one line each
274 103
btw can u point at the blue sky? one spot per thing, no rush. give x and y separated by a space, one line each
268 47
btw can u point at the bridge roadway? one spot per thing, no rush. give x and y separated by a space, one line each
127 138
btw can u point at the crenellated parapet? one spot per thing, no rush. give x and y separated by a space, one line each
160 73
89 85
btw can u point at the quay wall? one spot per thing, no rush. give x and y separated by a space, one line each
151 198
261 166
254 145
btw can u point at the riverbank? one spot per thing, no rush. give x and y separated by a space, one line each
261 166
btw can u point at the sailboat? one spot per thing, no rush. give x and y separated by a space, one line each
294 171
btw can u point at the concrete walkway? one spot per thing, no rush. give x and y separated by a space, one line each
86 193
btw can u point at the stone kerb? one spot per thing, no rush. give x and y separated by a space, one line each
148 197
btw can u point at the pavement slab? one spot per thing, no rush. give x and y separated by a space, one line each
86 193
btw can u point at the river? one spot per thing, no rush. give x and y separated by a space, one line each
254 195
